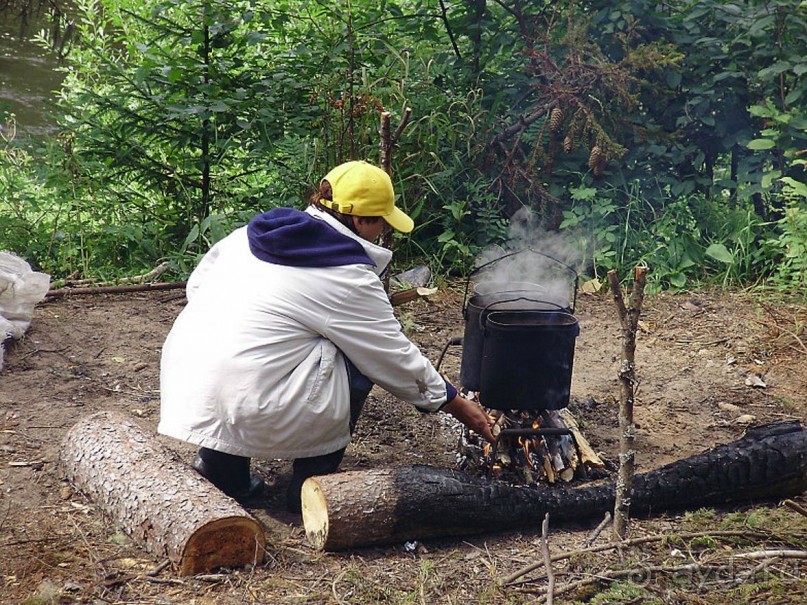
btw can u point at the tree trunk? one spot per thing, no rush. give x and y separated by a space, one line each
362 508
164 505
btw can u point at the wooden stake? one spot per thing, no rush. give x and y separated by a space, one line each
629 318
550 588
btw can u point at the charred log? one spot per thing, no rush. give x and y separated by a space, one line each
362 508
159 501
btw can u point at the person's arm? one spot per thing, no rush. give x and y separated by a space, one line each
366 331
362 325
471 415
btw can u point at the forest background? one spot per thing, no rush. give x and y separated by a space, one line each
671 134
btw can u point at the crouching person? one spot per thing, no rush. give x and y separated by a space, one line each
286 330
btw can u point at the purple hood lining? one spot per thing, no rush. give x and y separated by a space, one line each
285 236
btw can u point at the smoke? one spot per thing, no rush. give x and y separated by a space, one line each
534 263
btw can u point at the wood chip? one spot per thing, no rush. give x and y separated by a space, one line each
754 380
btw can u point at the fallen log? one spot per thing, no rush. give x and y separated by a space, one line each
387 505
163 504
62 292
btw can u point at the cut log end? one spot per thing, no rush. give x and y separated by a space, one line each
162 503
353 508
315 513
228 542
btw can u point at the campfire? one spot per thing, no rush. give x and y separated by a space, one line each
513 330
532 446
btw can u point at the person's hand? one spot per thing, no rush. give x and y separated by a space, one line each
471 415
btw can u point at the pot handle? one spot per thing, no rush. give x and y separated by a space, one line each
486 265
485 309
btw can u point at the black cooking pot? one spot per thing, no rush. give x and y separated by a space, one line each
527 360
490 296
476 315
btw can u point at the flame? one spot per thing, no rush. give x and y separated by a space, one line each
527 445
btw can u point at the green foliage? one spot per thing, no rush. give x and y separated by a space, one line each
181 118
790 272
684 242
592 219
786 135
624 592
163 106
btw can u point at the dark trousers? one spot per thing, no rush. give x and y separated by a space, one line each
231 474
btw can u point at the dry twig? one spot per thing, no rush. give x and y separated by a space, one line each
773 554
159 568
336 580
598 530
632 542
609 575
62 292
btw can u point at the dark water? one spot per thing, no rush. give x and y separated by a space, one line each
27 78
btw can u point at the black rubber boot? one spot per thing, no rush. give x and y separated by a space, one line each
229 473
303 468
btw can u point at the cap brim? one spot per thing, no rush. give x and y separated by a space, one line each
399 220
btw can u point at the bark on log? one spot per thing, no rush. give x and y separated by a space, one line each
163 504
362 508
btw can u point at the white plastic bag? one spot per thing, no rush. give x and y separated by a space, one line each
21 289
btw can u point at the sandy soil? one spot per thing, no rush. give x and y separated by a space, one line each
708 365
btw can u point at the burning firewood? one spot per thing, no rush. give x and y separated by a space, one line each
590 458
532 446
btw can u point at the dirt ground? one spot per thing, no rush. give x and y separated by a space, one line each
709 365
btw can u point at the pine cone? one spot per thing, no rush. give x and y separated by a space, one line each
597 160
568 144
556 119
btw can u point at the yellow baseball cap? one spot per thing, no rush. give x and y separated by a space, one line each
361 189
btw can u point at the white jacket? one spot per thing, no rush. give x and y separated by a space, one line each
253 366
